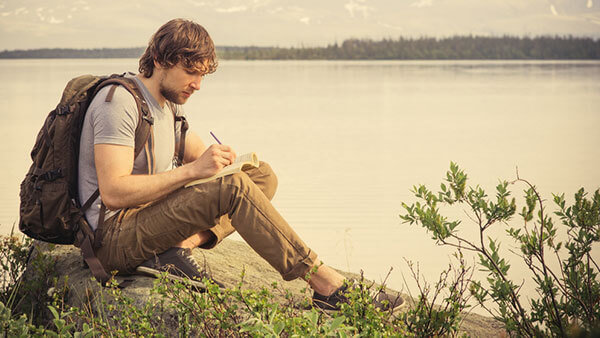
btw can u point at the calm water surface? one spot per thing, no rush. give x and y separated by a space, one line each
349 139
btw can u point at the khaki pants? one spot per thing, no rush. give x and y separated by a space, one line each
239 202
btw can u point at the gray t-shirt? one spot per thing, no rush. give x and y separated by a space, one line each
115 122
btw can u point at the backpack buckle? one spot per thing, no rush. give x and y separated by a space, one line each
52 175
148 119
62 110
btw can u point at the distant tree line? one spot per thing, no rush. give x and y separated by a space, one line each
452 48
68 53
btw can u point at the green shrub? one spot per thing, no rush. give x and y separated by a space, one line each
27 274
424 318
13 260
568 299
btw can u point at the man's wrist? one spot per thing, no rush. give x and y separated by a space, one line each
186 173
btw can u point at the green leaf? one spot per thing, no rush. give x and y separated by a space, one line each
336 322
278 327
54 312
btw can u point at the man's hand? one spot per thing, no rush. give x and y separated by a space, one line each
215 158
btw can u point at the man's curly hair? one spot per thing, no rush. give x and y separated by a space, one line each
180 41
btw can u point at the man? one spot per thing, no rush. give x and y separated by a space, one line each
153 220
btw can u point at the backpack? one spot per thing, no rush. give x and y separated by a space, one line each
50 210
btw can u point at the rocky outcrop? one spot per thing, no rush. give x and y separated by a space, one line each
226 262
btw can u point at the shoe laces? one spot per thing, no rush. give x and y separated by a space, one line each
187 255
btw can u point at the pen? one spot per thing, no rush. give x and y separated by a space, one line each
213 135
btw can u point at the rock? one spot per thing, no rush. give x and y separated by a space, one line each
226 262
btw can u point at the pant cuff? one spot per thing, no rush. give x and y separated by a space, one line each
302 268
213 241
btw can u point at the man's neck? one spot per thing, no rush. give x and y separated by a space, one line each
152 84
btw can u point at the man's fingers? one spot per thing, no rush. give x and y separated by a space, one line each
222 154
221 163
227 152
223 147
230 156
224 158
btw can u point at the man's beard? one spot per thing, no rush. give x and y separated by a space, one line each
170 94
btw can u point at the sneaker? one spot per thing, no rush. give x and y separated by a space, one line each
383 300
179 264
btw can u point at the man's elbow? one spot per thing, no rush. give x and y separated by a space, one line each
111 201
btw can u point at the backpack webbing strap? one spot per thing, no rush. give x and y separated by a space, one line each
149 149
90 200
184 128
182 132
111 93
99 234
90 258
94 263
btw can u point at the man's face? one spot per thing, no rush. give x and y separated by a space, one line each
177 83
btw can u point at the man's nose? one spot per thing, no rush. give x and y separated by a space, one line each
195 84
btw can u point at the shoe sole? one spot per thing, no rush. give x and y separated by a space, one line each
142 270
400 308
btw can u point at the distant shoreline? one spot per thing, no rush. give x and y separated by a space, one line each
452 48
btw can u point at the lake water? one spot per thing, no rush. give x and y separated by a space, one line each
349 139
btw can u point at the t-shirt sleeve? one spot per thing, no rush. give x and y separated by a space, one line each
114 122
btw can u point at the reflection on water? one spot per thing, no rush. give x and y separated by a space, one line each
349 139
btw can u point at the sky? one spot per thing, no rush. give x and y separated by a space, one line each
29 24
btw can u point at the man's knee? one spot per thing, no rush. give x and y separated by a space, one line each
238 180
269 185
262 177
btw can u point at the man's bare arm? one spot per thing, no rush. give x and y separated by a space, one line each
120 189
194 147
